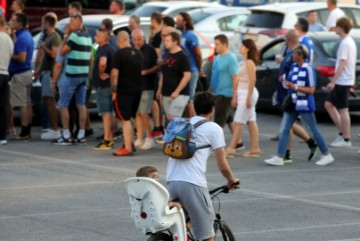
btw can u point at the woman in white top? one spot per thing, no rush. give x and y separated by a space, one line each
244 100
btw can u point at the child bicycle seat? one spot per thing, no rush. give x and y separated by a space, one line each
148 201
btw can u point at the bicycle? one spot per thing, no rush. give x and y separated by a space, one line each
148 198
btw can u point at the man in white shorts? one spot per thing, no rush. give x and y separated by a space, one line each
186 179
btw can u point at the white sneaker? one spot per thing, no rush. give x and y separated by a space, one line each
336 140
325 160
275 161
51 135
341 143
148 144
3 142
138 143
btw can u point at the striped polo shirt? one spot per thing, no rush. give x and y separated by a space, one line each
78 59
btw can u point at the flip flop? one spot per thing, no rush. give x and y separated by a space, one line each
251 154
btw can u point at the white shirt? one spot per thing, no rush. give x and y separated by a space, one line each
6 51
334 15
347 50
193 170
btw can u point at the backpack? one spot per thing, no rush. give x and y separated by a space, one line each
178 138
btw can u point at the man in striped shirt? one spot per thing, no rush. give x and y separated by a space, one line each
77 48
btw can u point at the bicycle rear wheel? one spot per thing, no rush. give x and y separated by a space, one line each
160 237
224 232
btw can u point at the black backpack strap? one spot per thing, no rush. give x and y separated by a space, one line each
197 124
200 122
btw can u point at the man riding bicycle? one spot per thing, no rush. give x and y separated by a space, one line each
186 179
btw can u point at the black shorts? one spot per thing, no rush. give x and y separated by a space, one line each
339 96
126 105
223 111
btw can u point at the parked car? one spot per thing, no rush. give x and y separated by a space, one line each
171 8
267 22
326 45
214 20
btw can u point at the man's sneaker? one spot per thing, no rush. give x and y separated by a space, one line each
336 140
62 141
313 153
156 133
240 146
159 141
287 160
341 143
138 143
51 135
122 151
80 141
23 138
3 142
148 144
325 160
275 161
103 145
118 134
89 132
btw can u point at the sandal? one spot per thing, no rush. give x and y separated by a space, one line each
230 152
251 154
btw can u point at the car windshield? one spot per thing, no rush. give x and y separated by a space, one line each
331 46
147 10
262 19
198 15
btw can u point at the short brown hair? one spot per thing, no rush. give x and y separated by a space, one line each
222 38
77 5
119 3
21 3
50 20
2 21
108 24
344 23
175 37
145 171
168 21
157 17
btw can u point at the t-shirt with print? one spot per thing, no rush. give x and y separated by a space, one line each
129 63
224 68
193 170
190 41
78 59
175 64
334 15
52 40
347 51
149 61
105 51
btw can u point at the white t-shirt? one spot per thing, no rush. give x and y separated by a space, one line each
6 51
334 15
193 170
347 51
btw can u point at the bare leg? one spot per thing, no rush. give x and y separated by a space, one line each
236 134
334 115
345 122
107 127
51 107
82 116
190 109
139 127
128 134
254 136
300 132
65 117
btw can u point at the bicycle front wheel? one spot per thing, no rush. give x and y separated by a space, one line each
160 237
223 232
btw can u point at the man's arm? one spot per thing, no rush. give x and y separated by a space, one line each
198 57
114 82
338 72
20 57
224 167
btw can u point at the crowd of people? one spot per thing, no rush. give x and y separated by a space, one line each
149 82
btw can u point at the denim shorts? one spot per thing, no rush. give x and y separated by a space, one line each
46 84
192 84
70 87
104 101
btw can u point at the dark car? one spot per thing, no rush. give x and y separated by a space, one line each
326 45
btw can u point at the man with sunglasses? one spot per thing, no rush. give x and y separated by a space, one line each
77 48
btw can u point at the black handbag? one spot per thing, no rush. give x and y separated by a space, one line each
288 105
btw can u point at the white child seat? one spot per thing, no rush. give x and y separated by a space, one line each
148 200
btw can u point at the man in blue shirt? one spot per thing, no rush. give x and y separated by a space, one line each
188 38
20 72
302 26
224 77
314 25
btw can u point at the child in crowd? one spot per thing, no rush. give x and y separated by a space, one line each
152 172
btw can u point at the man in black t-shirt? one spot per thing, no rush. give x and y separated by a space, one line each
155 31
126 88
174 81
101 82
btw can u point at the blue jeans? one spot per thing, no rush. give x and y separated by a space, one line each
192 84
287 122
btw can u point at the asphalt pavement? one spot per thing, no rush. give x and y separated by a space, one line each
73 193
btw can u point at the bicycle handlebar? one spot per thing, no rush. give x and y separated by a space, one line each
222 189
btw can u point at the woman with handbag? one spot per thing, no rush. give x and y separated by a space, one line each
301 83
